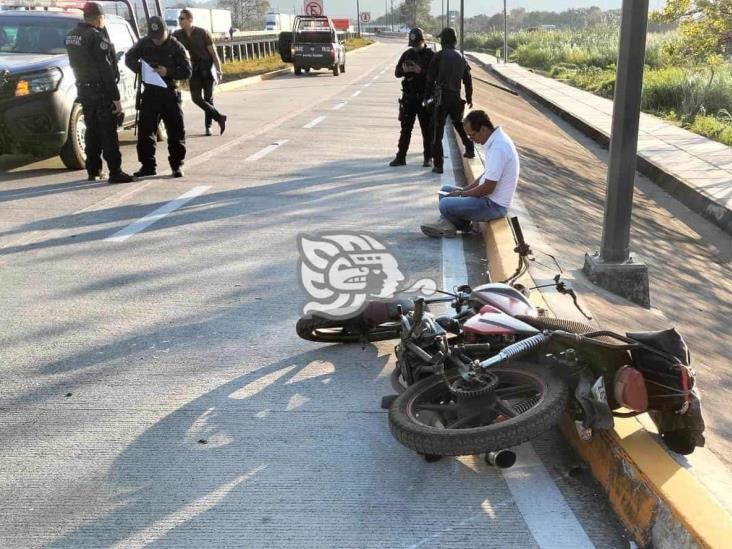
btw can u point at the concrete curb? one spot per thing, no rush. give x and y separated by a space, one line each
659 502
691 197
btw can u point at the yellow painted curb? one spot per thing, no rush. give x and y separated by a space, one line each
660 503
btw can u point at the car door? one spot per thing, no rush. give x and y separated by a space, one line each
123 39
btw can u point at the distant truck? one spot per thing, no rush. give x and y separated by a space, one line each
278 22
214 21
313 44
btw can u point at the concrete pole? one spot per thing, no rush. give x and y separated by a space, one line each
462 25
442 23
392 16
624 134
505 33
358 19
448 13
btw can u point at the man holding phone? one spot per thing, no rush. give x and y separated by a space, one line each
412 68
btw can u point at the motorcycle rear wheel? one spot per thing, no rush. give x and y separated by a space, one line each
421 417
325 330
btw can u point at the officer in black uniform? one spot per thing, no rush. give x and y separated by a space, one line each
447 70
412 67
170 60
94 63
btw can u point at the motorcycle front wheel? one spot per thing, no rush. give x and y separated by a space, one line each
325 330
429 419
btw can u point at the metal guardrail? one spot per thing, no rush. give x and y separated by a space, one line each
253 45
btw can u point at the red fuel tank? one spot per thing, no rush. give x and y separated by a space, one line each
502 297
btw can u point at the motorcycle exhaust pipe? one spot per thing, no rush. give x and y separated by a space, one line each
502 459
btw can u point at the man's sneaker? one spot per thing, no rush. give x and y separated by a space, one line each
469 153
398 161
121 177
437 169
208 131
178 172
100 176
440 228
145 172
427 163
222 124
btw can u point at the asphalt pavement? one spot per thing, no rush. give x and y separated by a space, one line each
154 389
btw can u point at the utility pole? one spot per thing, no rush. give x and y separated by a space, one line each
448 13
442 23
462 24
358 20
613 268
505 33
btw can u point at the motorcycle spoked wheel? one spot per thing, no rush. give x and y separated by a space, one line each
326 330
425 418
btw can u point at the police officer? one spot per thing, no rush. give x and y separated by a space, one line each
169 59
447 69
412 67
94 63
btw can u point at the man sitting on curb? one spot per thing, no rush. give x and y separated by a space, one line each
491 194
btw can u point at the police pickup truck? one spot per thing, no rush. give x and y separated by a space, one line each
39 113
313 44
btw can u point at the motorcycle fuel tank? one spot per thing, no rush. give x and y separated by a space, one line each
504 298
491 321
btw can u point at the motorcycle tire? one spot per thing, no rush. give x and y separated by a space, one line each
325 330
441 441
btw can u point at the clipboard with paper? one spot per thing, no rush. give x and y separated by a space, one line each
150 77
214 73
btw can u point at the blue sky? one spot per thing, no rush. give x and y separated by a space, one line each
347 8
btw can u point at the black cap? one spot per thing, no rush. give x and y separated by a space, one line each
156 27
92 9
415 36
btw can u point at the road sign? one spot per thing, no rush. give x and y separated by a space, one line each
365 16
313 7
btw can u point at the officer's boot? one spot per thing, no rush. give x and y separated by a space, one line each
469 150
121 177
399 160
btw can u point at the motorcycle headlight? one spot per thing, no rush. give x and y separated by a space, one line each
38 82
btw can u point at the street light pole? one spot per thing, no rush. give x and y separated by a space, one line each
358 20
614 269
462 24
443 14
391 18
448 13
505 34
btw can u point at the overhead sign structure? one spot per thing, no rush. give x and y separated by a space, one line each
313 7
365 16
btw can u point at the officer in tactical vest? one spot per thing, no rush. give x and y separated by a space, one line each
94 63
169 59
447 70
412 68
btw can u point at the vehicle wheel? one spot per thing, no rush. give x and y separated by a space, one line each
73 154
298 70
343 67
429 419
161 134
326 330
336 69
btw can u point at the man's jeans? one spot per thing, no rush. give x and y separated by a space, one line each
462 210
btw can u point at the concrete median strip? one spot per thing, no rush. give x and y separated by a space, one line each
660 502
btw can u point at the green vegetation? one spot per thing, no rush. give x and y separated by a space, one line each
676 85
355 43
251 67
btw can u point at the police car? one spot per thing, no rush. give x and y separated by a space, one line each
39 113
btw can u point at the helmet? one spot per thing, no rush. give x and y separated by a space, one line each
415 36
448 37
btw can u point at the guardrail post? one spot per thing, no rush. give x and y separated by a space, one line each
246 51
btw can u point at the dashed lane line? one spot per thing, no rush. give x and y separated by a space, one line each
265 151
356 93
340 105
158 214
314 122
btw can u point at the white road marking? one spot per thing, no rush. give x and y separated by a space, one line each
543 507
367 85
375 77
356 93
265 151
340 105
314 122
144 222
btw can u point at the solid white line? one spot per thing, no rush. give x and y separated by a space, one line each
340 105
265 151
545 511
356 93
543 507
314 122
144 222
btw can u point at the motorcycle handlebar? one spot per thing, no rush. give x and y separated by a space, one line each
518 232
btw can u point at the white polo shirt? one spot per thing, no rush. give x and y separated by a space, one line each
502 166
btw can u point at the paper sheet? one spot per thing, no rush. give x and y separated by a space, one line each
150 77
